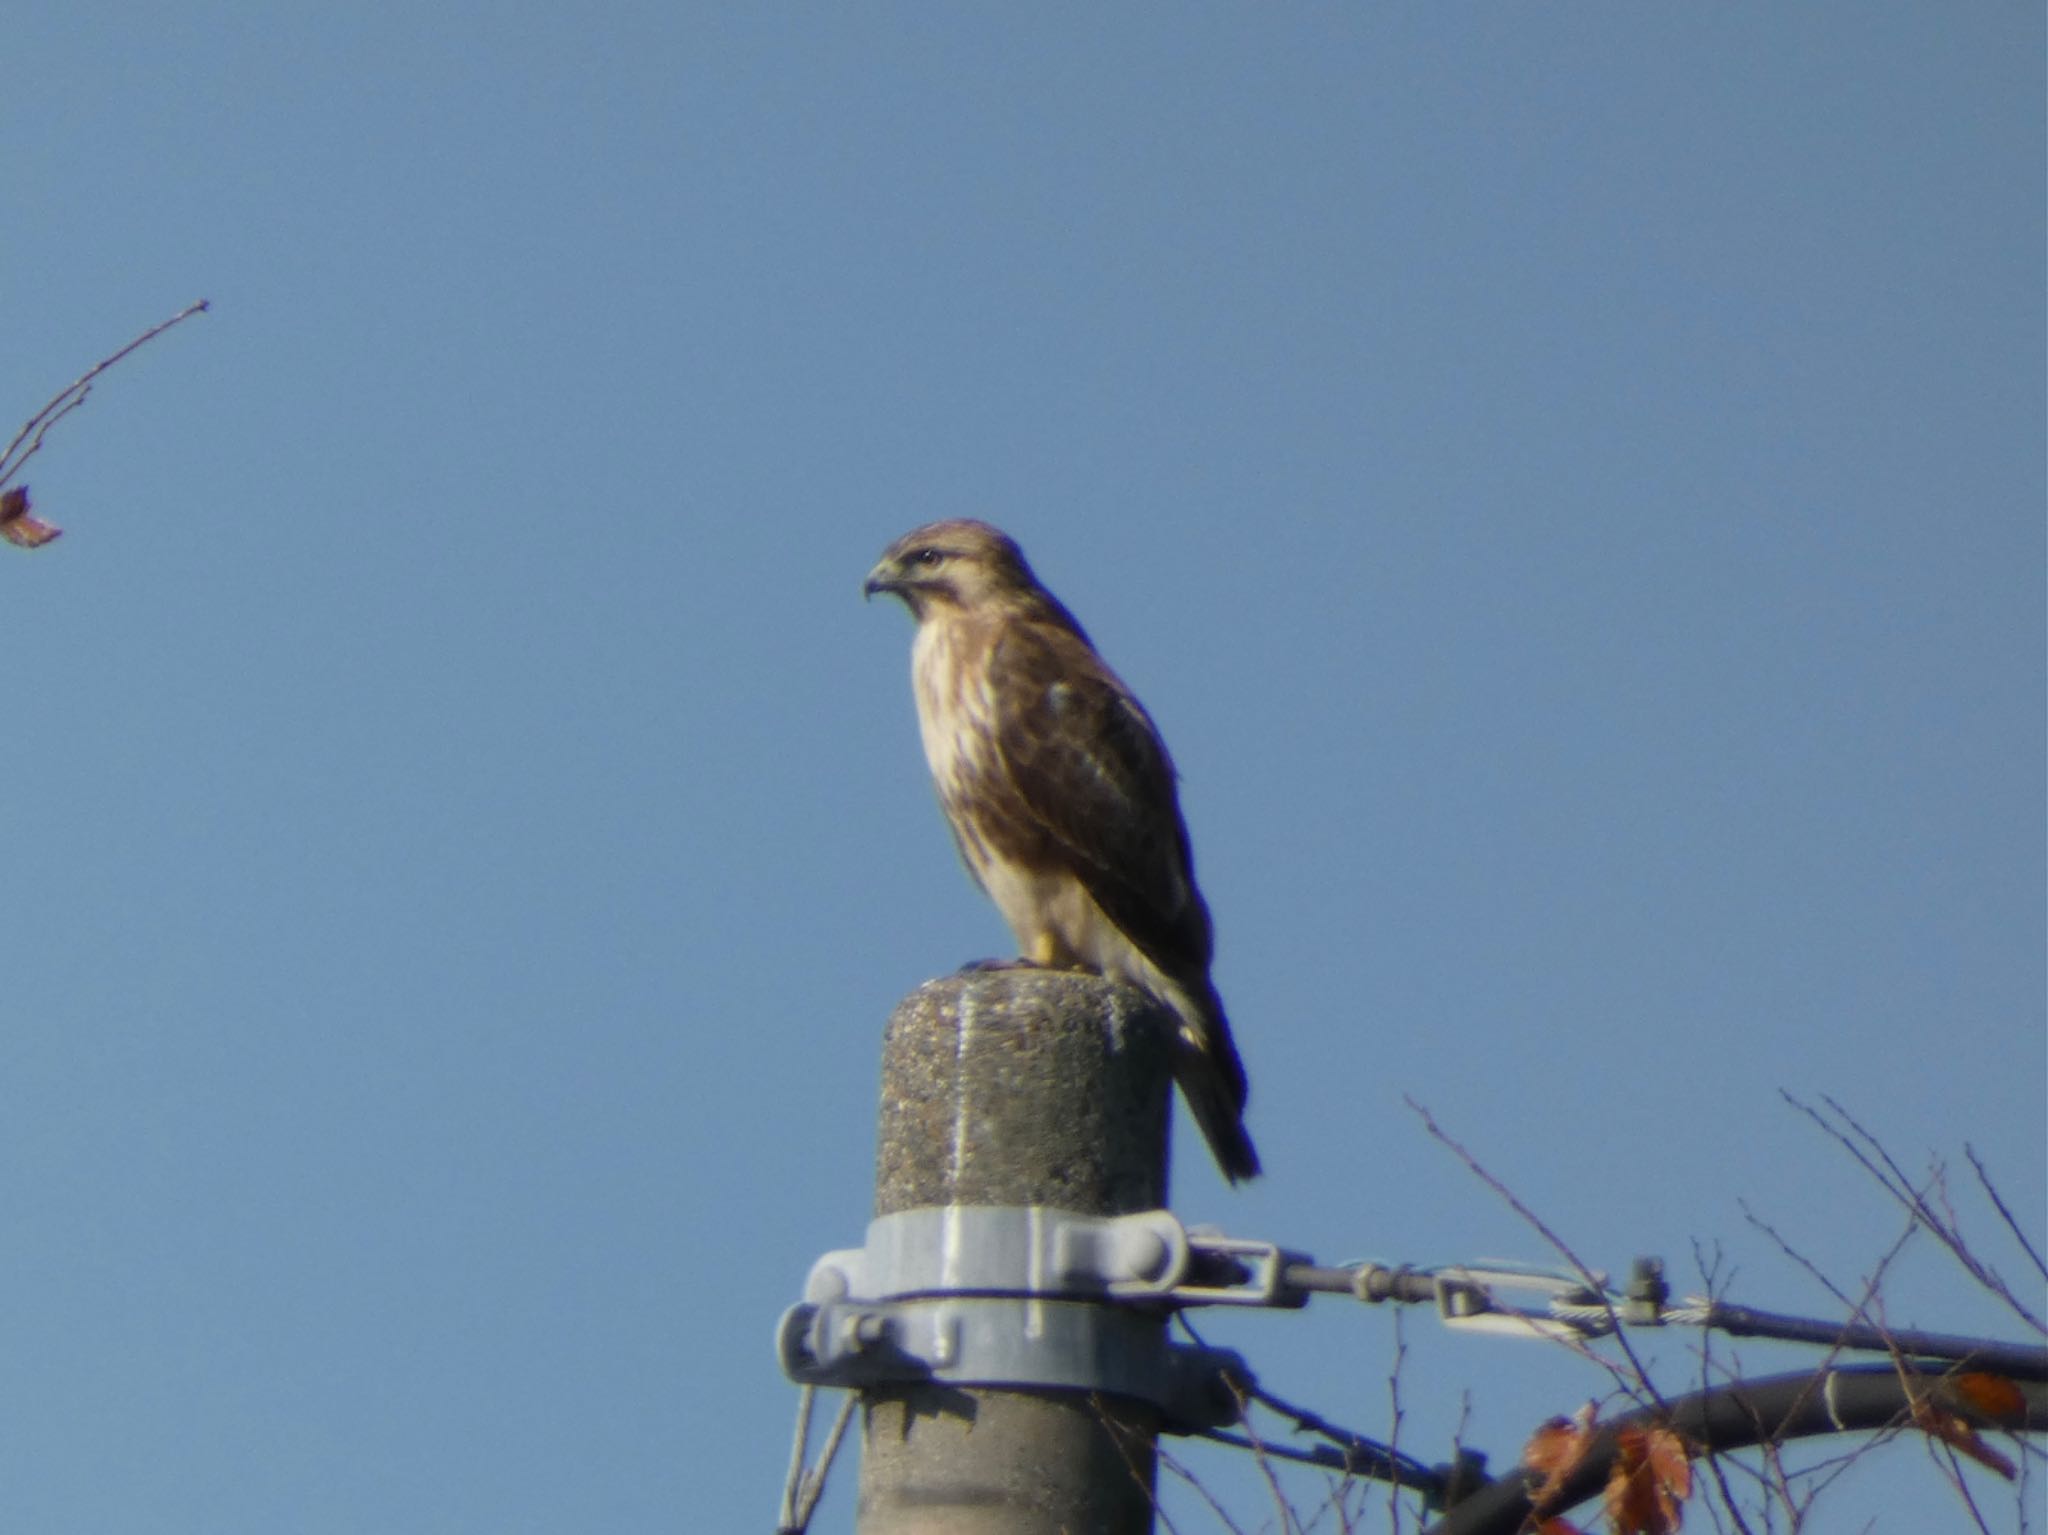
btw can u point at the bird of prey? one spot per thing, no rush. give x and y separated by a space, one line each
1061 796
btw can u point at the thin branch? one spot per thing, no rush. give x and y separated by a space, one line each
1855 1308
1360 1453
1394 1429
1998 1204
1944 1456
1642 1383
1859 1309
1122 1438
1709 1266
1166 1459
1894 1181
68 399
1261 1459
2023 1494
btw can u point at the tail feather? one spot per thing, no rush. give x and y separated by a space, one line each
1212 1079
1219 1117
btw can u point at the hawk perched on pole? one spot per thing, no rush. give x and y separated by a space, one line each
1061 796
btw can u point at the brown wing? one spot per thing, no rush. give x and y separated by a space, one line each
1090 769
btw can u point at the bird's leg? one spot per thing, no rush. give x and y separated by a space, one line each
1043 952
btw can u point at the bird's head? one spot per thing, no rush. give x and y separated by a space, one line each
959 564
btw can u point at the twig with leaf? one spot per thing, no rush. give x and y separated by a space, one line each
18 525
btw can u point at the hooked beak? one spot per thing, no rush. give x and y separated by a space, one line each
883 578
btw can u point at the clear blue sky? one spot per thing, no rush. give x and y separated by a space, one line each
1568 480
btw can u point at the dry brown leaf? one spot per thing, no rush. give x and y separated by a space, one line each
1992 1395
1651 1480
1961 1435
18 526
1556 1449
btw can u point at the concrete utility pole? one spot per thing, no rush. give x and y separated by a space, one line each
1009 1088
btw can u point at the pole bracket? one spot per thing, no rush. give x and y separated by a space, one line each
1012 1342
1029 1297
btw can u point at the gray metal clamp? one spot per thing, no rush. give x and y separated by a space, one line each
1023 1296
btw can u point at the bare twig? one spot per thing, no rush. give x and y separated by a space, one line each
69 399
1464 1422
1711 1282
1358 1452
1859 1309
1855 1308
1878 1162
1121 1436
2024 1495
1167 1461
1951 1465
1394 1429
2004 1214
1642 1384
1288 1525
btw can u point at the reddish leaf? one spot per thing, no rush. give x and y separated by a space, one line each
1651 1480
1555 1451
1992 1395
1959 1434
17 525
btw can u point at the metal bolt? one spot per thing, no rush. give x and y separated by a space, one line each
863 1330
1148 1255
1646 1282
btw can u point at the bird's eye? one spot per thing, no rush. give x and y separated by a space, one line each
927 557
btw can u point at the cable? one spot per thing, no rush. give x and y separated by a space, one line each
1473 1292
2013 1360
1357 1455
806 1485
1733 1417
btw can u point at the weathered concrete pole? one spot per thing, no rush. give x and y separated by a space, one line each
1017 1087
